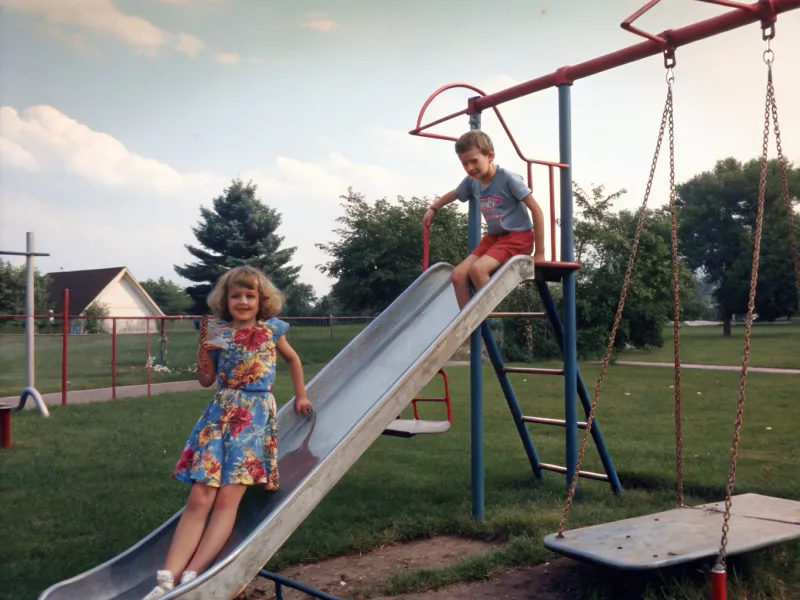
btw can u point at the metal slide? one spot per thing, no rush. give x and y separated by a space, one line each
356 396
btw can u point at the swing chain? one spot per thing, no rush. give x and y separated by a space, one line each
748 324
609 348
676 312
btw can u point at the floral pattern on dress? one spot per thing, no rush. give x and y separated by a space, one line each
236 438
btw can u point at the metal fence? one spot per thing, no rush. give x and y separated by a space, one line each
78 352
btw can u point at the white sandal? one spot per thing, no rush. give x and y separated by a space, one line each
187 576
165 584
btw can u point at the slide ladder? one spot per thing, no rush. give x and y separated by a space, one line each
551 271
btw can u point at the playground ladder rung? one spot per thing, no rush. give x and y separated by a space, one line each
518 315
534 371
585 474
547 421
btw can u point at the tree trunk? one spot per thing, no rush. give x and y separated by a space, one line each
726 326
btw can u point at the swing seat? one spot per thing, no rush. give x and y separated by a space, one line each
682 535
407 428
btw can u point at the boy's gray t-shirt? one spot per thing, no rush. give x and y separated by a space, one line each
500 201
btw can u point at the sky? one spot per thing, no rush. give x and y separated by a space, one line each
120 118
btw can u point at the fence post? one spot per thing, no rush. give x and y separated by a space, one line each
65 348
113 357
163 342
330 324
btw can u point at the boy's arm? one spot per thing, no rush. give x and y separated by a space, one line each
538 227
443 200
440 202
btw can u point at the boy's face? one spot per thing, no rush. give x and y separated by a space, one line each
475 163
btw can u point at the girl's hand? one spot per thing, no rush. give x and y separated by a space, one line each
303 406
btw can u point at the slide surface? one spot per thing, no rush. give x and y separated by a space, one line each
356 396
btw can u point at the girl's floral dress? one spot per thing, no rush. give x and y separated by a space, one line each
235 440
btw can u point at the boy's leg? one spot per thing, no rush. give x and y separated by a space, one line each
482 270
499 253
460 278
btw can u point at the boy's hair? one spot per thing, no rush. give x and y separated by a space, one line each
270 298
474 139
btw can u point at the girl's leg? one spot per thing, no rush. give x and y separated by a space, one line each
219 527
190 528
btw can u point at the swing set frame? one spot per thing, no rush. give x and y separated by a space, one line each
665 43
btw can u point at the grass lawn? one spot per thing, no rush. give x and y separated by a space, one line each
93 479
771 345
89 358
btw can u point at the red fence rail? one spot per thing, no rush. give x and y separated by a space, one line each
68 329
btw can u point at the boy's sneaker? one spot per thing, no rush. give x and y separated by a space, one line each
165 584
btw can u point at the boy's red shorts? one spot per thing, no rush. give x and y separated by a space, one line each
502 247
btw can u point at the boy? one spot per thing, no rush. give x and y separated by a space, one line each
503 197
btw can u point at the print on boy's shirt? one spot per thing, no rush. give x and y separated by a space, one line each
492 207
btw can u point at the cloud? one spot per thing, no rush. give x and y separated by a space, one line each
142 36
90 182
14 155
189 44
49 137
228 58
318 22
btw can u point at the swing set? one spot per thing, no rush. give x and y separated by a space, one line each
748 521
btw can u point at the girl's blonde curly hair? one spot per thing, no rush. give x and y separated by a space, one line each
271 298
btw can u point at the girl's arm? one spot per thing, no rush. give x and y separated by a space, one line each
301 403
206 371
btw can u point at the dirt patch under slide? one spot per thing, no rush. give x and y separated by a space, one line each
556 580
347 576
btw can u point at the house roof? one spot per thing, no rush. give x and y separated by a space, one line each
84 286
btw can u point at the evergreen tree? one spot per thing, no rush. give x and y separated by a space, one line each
238 230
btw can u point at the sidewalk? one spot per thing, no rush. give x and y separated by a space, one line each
642 363
105 394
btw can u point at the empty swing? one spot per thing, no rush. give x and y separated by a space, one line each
749 521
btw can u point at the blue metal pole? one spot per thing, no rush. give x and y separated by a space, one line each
511 398
568 284
475 373
583 394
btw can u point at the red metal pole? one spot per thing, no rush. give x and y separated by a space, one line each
5 428
677 37
113 358
65 348
148 356
425 248
552 215
718 583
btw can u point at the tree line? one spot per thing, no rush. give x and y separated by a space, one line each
378 254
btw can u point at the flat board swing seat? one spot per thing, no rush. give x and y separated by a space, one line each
682 535
410 427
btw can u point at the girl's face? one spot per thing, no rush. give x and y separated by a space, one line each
243 304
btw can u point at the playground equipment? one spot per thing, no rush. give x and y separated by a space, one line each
410 427
680 535
360 393
749 521
356 397
30 389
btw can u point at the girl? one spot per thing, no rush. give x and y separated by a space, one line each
234 444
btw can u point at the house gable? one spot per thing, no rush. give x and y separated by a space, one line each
84 287
114 286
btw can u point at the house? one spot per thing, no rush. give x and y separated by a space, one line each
114 287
